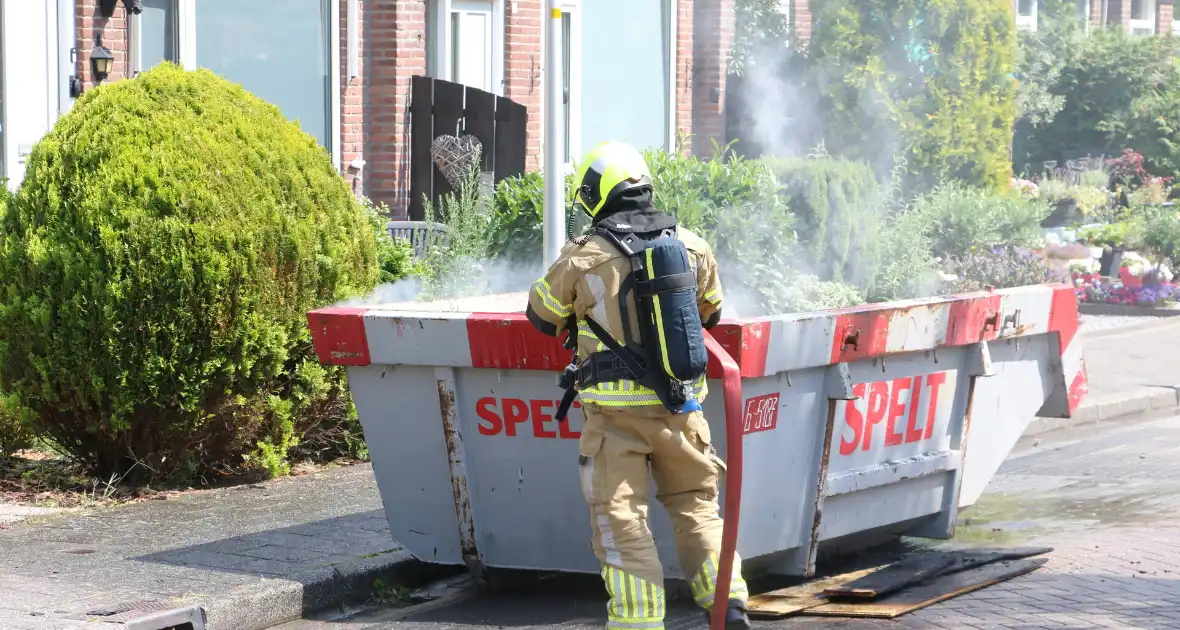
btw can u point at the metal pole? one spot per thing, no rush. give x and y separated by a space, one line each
554 173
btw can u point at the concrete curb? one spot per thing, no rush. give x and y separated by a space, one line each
1122 310
272 602
1144 401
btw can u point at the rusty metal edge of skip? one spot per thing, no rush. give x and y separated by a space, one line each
732 394
453 435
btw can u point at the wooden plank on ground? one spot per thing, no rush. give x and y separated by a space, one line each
937 590
971 558
911 569
919 567
795 599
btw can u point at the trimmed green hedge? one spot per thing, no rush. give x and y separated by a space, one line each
155 270
840 209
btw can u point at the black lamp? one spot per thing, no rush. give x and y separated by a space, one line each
107 7
101 59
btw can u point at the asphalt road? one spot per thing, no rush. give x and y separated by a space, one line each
1104 497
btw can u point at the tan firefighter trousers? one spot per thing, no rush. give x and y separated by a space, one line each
615 447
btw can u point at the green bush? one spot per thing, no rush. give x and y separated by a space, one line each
1118 91
840 210
171 233
395 257
961 217
517 214
932 78
908 267
15 434
733 203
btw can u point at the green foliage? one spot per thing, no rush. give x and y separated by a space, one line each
1040 56
962 217
699 191
840 210
517 214
908 267
932 78
156 267
395 257
15 423
760 28
454 254
1162 236
1119 91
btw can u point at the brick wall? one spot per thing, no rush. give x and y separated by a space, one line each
113 30
712 36
396 32
1096 12
1163 17
523 60
687 69
1119 12
801 21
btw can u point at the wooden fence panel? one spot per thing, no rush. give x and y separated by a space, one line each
421 134
511 138
444 108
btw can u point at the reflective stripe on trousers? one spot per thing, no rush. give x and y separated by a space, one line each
704 583
634 602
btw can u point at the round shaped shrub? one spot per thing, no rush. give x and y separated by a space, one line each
157 264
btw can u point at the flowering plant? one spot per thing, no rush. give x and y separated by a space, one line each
1093 288
999 267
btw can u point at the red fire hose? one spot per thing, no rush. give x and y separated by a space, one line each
731 379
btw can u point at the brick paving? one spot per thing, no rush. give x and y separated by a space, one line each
1105 503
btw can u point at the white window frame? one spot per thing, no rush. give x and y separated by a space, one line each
1176 27
1026 22
440 41
574 7
186 44
1144 26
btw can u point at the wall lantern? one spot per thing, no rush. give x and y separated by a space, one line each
102 59
107 7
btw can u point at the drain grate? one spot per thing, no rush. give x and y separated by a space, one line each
151 615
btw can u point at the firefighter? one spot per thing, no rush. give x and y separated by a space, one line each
634 294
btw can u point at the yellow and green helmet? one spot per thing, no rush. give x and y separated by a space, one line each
606 171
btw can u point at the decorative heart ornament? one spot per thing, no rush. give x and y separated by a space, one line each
455 155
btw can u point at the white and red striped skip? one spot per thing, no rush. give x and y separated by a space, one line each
853 420
762 346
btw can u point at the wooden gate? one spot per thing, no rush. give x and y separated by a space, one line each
440 107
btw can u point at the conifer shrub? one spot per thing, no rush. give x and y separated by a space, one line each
157 265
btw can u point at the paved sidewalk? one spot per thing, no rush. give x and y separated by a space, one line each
1132 369
271 544
259 554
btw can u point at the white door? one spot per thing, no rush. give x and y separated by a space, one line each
472 35
28 89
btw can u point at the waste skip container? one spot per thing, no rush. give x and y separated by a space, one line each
877 420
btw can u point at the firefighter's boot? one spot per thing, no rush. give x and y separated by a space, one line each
735 616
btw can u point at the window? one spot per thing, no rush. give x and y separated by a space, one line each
626 86
567 68
467 43
1026 14
281 52
1143 17
157 34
